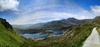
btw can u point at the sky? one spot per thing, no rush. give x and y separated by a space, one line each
19 12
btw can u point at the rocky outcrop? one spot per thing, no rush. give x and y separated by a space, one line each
6 24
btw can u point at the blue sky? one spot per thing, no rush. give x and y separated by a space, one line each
87 3
37 11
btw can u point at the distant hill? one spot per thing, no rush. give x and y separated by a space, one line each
95 21
26 26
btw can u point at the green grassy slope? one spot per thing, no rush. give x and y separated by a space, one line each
74 37
8 37
96 21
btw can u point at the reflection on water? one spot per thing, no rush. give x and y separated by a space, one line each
35 35
57 32
39 35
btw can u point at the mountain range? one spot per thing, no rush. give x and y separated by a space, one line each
53 24
58 24
74 36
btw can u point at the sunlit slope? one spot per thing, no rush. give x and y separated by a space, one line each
8 37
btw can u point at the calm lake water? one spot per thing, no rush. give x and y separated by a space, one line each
39 35
57 32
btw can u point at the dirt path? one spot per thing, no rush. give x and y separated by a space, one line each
93 40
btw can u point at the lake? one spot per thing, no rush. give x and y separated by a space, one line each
39 35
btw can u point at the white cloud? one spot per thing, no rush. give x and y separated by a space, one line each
41 13
44 16
95 10
8 5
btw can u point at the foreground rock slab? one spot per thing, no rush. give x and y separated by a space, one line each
93 40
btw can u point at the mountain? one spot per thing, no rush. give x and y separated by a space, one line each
9 38
53 24
95 21
26 26
37 26
42 27
60 23
73 36
64 23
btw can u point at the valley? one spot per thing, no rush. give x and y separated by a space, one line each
49 23
65 36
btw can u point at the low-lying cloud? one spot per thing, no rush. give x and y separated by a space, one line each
44 16
8 5
96 10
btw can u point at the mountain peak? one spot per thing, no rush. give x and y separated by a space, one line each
72 18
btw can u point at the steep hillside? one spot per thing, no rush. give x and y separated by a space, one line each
96 21
9 38
74 36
